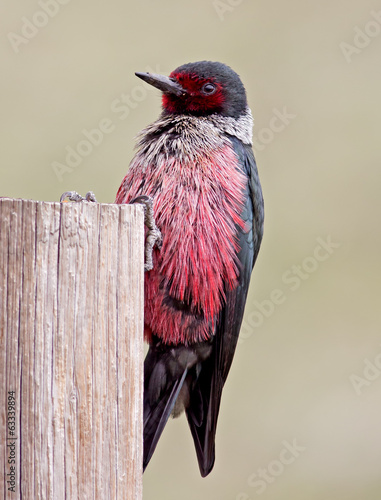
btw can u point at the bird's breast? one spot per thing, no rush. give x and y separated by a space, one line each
197 205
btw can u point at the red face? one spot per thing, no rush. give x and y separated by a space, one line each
201 96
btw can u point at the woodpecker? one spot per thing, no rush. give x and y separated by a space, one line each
196 163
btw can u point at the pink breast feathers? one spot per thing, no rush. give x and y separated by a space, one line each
197 206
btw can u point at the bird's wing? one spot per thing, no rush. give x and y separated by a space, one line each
202 412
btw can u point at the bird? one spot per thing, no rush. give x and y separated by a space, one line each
197 164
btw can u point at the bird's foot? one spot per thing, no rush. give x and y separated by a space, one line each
74 196
153 236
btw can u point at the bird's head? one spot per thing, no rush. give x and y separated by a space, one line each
200 88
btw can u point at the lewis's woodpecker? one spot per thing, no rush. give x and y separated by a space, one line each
197 164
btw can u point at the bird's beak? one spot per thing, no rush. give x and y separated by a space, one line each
163 83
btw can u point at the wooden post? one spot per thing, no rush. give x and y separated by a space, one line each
71 350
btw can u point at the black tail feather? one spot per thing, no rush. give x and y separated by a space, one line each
157 415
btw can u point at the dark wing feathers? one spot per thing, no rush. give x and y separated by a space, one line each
254 212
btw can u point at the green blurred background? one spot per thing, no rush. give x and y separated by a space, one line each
294 374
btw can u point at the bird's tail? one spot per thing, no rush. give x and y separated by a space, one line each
156 414
169 376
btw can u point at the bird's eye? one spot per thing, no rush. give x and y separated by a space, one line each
208 89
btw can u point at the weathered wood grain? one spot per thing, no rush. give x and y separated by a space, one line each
71 347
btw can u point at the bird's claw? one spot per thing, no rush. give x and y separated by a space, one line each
74 196
153 236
